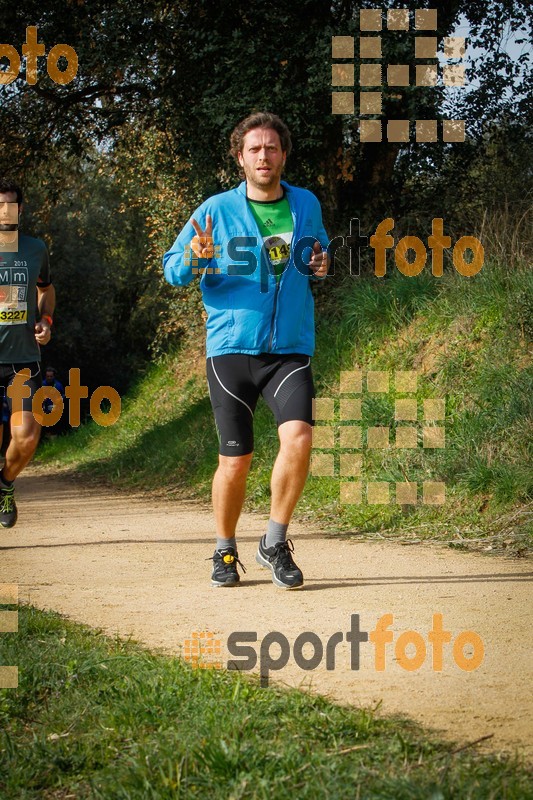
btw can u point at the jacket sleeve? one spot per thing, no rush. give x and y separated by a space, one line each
178 261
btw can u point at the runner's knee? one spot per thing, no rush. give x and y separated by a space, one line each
25 440
296 436
235 466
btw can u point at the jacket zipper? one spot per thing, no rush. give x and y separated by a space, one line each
278 283
274 314
260 239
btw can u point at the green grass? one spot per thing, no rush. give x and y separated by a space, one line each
100 718
470 341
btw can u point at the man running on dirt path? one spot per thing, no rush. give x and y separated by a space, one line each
26 292
260 332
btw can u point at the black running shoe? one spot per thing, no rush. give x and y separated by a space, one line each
278 559
225 567
8 507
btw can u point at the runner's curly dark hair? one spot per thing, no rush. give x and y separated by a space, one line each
7 185
259 119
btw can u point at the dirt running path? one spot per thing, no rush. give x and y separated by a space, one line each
132 566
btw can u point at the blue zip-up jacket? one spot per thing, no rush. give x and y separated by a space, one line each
248 311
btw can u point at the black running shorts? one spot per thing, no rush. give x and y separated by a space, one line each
235 382
34 382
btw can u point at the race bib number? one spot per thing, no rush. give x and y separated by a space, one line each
13 315
279 248
13 305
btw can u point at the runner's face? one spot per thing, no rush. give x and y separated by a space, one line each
262 158
9 211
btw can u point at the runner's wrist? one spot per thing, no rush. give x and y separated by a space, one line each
47 318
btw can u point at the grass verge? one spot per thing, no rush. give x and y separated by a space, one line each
95 717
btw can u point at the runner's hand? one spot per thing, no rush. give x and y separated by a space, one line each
43 332
202 243
319 261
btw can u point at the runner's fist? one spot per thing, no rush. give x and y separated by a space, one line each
202 243
319 261
43 332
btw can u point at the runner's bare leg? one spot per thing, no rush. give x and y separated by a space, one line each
25 433
290 468
229 488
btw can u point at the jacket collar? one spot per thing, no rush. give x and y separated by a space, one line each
242 187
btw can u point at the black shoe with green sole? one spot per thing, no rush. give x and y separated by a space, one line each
8 507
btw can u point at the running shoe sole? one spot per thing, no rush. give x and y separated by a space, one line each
226 584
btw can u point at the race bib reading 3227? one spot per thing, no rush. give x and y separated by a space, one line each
13 306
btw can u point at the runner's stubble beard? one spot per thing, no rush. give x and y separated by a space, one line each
266 182
8 221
